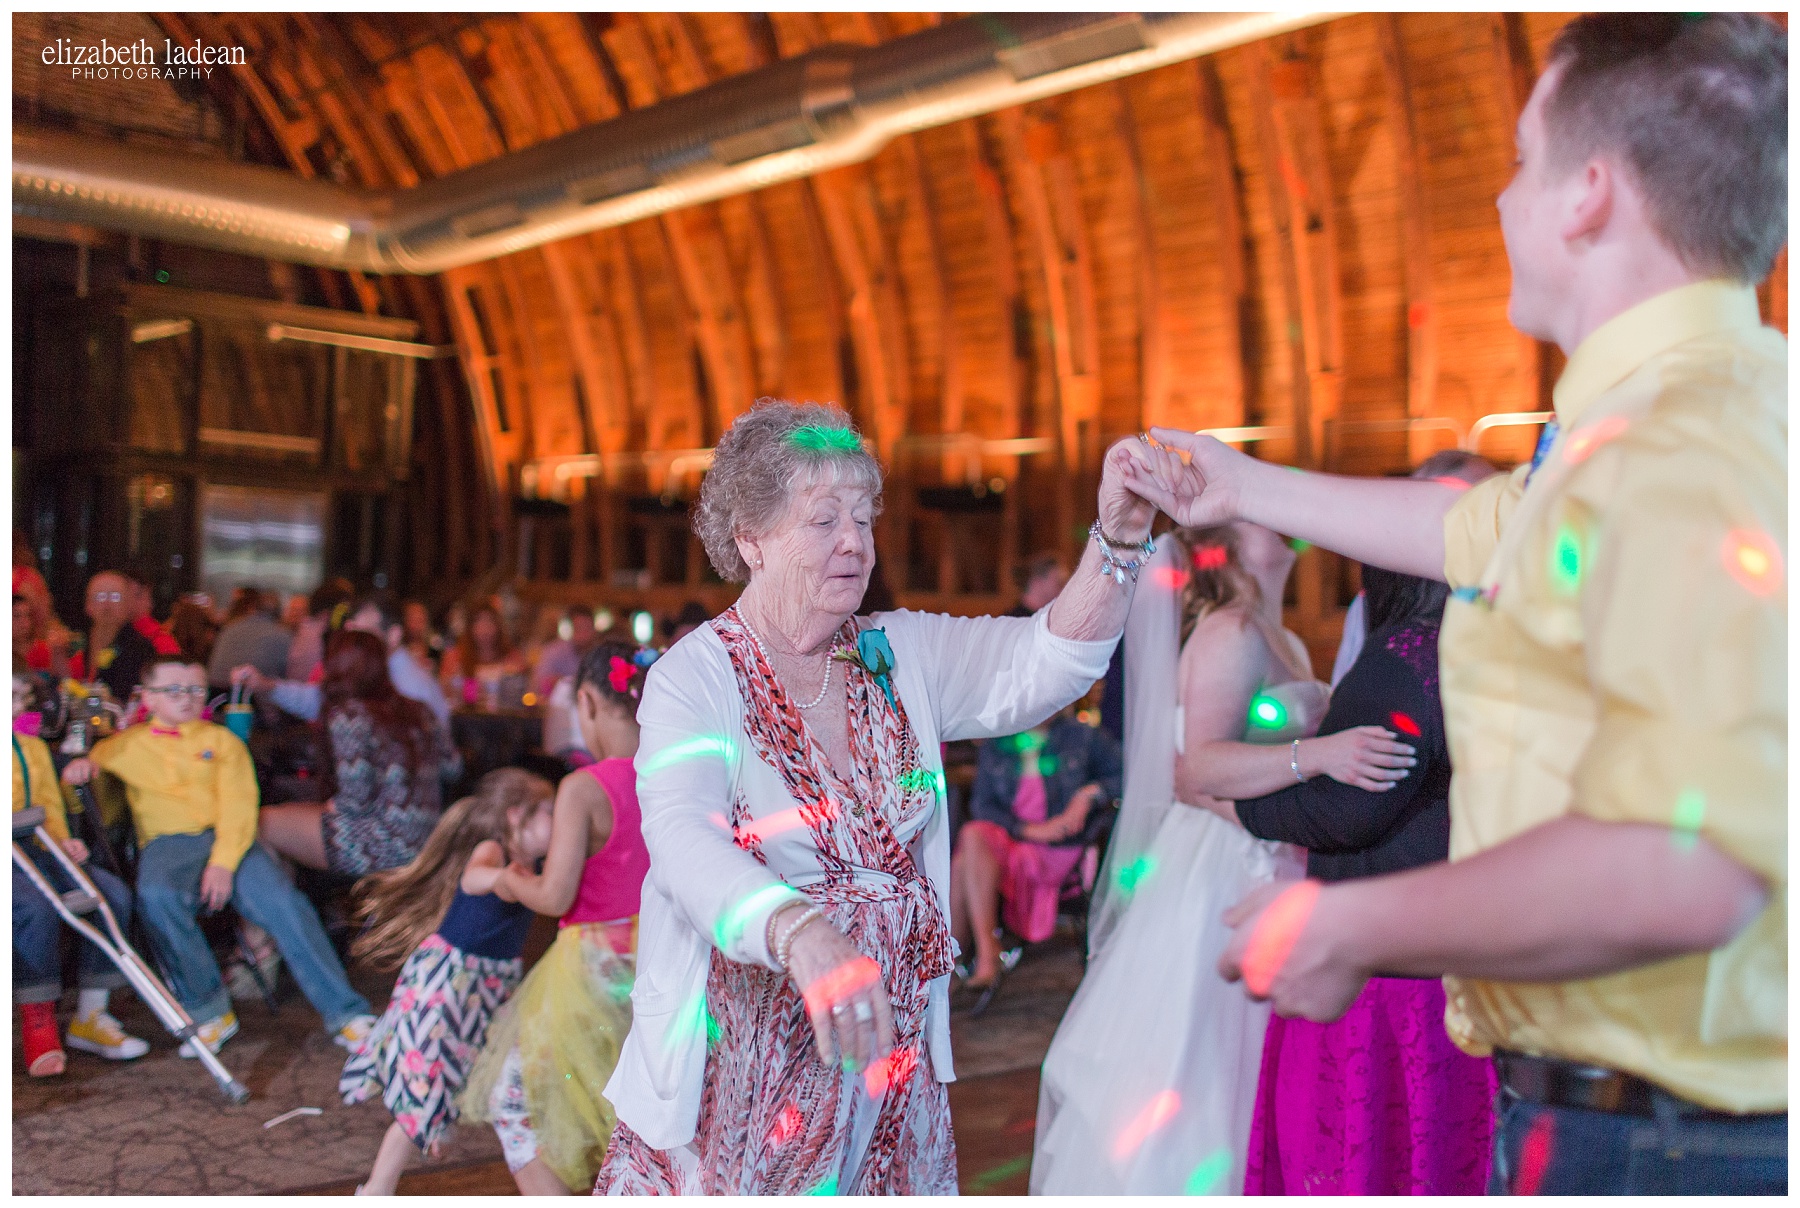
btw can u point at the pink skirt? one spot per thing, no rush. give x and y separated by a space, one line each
1032 878
1378 1103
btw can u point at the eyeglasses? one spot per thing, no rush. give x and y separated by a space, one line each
197 691
108 597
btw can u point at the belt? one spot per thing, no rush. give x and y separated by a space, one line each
1553 1082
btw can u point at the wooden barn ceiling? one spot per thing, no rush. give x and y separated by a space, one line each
1297 237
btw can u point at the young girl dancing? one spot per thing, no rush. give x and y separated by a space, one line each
464 943
554 1045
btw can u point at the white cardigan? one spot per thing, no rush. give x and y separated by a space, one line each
959 677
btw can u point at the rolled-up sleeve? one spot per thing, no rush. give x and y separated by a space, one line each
1472 525
688 753
990 676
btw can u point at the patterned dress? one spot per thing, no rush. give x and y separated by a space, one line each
382 811
774 1120
419 1052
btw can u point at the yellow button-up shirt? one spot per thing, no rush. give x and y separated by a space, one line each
1619 650
35 783
198 777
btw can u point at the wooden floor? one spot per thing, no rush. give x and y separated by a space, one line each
994 1117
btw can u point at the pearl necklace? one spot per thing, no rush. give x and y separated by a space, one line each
764 651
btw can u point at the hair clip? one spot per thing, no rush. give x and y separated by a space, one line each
645 656
619 675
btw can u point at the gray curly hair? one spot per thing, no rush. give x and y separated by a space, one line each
772 452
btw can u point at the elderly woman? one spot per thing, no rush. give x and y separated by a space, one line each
790 1025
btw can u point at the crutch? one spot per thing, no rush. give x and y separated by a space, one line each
86 899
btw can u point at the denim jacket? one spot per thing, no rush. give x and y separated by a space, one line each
1076 755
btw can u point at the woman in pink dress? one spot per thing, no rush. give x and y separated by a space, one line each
790 1025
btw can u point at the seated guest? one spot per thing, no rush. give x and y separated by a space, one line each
386 758
1379 1102
326 610
1035 794
37 929
421 640
1040 581
39 637
374 614
117 649
192 626
561 658
251 635
481 655
193 796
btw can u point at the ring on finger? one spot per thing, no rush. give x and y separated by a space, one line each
864 1012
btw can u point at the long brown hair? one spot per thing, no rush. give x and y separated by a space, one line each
356 670
404 905
1211 558
466 654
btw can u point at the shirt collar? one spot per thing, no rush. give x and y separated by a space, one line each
1620 346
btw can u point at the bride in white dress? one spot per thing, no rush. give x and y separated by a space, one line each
1150 1083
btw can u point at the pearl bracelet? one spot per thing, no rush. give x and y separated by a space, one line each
784 946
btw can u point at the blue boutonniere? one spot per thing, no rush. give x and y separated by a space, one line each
874 655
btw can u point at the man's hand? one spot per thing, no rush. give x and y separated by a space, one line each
79 771
76 850
215 886
1187 475
249 677
1283 953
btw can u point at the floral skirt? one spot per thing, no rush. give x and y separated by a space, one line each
420 1050
775 1120
1378 1103
552 1049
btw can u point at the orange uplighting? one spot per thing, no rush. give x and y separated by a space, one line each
1754 560
1158 1112
1276 933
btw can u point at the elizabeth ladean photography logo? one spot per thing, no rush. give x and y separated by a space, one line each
139 60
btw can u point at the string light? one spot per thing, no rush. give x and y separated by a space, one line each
1405 724
1565 560
643 627
1133 874
1690 813
1581 445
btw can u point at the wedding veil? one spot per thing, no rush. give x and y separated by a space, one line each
1152 652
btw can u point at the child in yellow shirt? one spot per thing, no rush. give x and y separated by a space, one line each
192 789
37 929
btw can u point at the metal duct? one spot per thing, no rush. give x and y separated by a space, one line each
833 106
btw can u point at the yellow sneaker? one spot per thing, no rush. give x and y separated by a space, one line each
352 1034
103 1036
213 1034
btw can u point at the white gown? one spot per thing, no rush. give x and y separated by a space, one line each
1150 1082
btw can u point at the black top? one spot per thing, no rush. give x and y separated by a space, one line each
1349 832
481 924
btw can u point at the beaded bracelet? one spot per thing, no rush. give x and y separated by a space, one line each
784 946
1114 567
1294 762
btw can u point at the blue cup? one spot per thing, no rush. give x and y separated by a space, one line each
238 719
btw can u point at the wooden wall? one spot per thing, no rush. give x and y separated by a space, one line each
1297 234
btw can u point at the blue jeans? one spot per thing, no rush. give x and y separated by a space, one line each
168 887
37 931
1568 1151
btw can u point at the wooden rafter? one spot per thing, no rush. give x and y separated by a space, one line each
1415 244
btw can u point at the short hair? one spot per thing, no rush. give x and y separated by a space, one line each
329 595
771 452
167 660
597 671
1695 105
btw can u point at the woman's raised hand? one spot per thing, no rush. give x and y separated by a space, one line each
1364 757
1125 514
844 995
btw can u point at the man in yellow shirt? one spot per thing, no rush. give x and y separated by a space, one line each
193 795
37 928
1613 916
